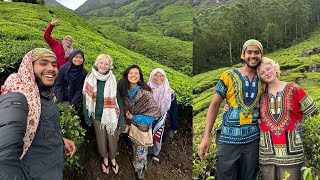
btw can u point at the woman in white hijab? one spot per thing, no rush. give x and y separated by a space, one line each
166 100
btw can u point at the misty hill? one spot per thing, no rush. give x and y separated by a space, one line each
54 3
208 2
126 7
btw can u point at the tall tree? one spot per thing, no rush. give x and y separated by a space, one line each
299 14
315 11
271 35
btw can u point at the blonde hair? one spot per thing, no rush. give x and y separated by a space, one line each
104 56
273 63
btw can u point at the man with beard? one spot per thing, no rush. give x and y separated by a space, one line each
238 134
61 49
43 144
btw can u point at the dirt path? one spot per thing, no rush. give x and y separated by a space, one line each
176 160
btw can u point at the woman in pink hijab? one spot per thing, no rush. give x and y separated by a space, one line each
165 98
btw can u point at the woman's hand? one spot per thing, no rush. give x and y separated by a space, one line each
54 22
129 115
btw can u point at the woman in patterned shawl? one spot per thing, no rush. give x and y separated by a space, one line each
141 110
282 108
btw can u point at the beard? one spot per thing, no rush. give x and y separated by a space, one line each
252 67
40 83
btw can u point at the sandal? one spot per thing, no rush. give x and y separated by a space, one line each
172 133
155 159
140 173
114 168
105 166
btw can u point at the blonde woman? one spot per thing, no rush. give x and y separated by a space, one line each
103 108
282 108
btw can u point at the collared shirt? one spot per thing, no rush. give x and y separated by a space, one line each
240 123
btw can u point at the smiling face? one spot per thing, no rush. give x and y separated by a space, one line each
77 59
267 72
67 41
134 76
252 56
45 70
158 78
103 65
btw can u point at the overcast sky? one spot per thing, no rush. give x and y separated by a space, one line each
71 4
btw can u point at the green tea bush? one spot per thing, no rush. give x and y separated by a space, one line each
204 169
71 129
311 143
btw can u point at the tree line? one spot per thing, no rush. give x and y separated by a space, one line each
30 1
220 31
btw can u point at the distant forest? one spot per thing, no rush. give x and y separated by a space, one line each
30 1
220 31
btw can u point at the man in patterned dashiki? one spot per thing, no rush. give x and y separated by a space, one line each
282 108
237 156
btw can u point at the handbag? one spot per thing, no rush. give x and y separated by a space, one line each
140 137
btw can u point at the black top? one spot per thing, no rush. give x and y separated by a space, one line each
13 122
46 150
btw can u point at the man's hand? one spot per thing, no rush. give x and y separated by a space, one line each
54 22
203 148
69 147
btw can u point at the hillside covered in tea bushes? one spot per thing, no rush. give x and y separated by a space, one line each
160 30
22 26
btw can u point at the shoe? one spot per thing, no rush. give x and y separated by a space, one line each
141 173
172 133
155 159
114 169
106 166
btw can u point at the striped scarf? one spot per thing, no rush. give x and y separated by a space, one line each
111 111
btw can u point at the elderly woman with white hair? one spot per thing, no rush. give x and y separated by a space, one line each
103 108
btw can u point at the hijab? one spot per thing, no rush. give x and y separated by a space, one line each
161 93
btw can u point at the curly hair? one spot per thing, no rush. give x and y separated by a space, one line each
273 63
